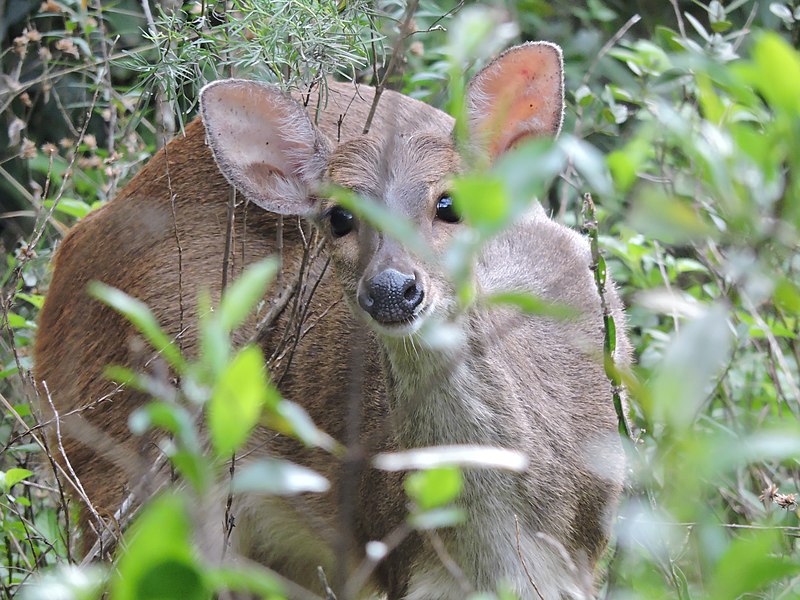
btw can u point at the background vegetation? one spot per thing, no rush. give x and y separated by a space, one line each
683 121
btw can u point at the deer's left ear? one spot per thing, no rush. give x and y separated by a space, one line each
519 95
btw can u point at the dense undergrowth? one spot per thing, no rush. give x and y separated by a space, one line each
683 122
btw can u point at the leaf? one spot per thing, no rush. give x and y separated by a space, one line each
66 582
530 304
36 300
447 456
237 400
437 518
71 206
14 476
778 72
291 419
158 560
750 563
433 488
694 359
783 12
787 296
244 293
278 477
482 201
246 578
589 162
395 226
667 218
137 313
16 321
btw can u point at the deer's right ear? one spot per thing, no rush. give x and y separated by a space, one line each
264 143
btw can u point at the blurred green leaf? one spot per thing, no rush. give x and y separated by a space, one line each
237 400
667 218
776 71
530 304
292 419
70 206
37 300
247 578
241 297
377 215
695 357
482 201
137 313
787 296
16 321
433 488
751 562
158 560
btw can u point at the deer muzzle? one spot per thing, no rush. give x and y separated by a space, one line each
391 297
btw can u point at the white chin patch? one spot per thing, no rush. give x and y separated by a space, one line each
407 328
400 330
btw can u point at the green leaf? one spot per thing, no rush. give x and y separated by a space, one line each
530 304
589 162
750 563
237 400
278 477
137 313
290 418
667 218
36 300
787 296
694 358
16 321
246 578
215 343
158 560
70 206
377 215
435 487
241 297
14 476
777 69
482 201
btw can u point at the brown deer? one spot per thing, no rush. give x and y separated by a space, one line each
531 383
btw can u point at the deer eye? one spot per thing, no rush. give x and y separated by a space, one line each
446 211
341 221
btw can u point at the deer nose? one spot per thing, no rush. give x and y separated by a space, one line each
391 296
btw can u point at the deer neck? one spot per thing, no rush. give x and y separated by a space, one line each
442 396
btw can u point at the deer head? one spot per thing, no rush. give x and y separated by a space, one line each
267 146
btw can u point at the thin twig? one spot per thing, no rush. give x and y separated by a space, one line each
405 28
522 561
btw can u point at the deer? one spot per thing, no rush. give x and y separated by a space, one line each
531 383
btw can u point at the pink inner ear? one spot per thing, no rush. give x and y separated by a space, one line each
519 95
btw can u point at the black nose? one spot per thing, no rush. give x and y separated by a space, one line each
391 296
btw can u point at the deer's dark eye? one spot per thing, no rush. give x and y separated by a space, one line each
341 221
446 211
